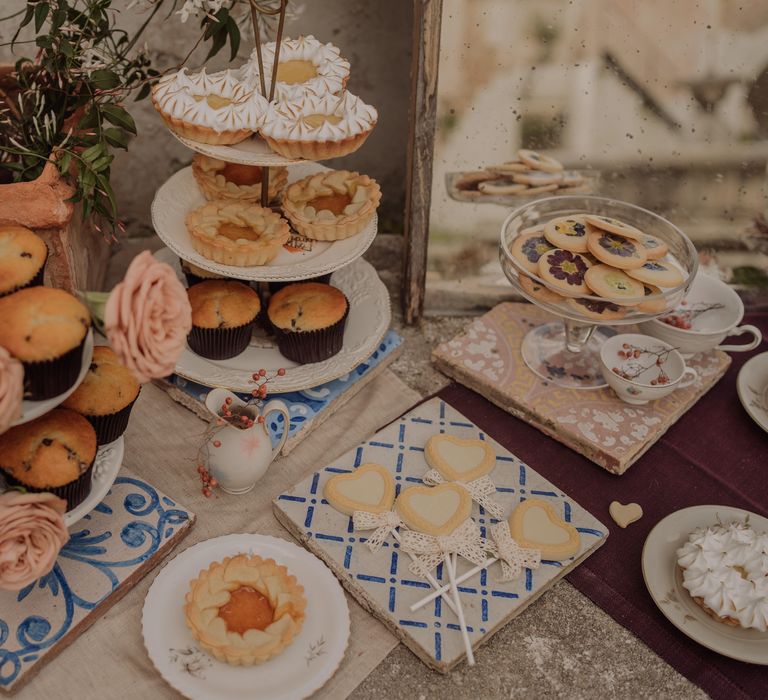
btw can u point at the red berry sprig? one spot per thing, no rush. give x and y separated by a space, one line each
209 482
634 368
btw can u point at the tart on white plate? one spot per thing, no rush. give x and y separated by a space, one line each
218 179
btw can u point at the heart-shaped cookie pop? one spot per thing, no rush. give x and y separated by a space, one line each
459 460
370 488
434 510
624 515
534 524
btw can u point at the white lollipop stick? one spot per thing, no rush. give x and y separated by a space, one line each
460 610
432 580
442 590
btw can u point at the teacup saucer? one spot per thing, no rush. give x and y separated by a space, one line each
752 386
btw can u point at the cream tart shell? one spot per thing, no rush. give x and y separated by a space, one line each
212 590
205 223
363 192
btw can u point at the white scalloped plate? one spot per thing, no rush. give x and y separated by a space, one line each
752 387
301 669
109 459
252 151
34 409
180 194
367 323
665 583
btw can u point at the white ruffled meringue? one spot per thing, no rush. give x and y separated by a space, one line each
727 566
331 70
193 99
302 120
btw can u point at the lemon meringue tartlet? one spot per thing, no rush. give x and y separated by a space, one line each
216 109
306 66
317 128
237 233
218 179
331 205
245 610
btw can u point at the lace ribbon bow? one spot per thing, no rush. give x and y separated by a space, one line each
429 551
480 490
383 523
512 556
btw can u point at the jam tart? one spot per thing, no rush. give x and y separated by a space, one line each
331 205
318 128
245 610
216 109
237 233
306 66
218 179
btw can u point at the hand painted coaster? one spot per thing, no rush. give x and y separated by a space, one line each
466 463
110 551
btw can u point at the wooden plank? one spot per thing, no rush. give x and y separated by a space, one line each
426 55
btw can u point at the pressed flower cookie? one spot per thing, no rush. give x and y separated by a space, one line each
500 186
368 488
620 228
537 178
655 248
568 233
614 285
601 310
565 271
539 291
618 251
534 524
659 273
538 161
528 248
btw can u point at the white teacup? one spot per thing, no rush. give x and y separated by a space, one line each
709 328
657 372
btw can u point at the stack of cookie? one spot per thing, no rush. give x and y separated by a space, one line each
531 174
591 255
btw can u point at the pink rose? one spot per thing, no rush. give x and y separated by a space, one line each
147 318
11 389
32 532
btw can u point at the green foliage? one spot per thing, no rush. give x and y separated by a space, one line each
71 99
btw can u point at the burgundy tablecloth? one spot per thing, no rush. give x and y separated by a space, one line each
715 454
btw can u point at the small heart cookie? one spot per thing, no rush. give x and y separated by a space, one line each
459 460
434 510
625 515
568 233
370 488
534 524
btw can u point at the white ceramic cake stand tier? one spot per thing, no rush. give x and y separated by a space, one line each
665 583
109 459
180 194
34 409
252 151
367 324
298 671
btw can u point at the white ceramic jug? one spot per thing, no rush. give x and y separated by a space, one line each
239 457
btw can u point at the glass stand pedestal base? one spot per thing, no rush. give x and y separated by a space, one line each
544 351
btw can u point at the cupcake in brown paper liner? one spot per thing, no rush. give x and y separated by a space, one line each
22 260
308 320
223 316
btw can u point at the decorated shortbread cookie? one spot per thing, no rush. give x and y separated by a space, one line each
500 186
568 233
539 190
652 305
538 161
656 272
602 310
434 510
537 178
618 251
655 248
608 223
528 248
539 291
565 271
368 488
624 515
534 524
508 168
459 460
571 178
614 285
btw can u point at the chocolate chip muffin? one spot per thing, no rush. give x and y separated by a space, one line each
52 453
22 259
106 395
308 320
223 316
45 329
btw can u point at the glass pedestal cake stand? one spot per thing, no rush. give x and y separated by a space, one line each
566 352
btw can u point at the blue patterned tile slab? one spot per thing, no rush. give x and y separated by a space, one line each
110 550
309 407
382 582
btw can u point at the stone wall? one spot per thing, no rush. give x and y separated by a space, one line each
374 36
